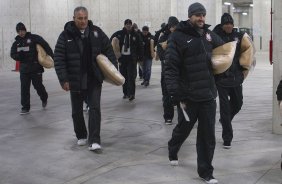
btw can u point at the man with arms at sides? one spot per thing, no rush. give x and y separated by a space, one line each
78 72
190 81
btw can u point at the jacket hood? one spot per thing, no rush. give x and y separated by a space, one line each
187 28
71 28
20 38
218 30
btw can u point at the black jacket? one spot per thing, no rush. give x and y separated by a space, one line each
136 45
279 91
188 70
68 54
160 50
147 45
233 76
24 50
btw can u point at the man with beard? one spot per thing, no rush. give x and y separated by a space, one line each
190 81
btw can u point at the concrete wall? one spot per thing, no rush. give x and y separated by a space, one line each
261 24
277 65
47 18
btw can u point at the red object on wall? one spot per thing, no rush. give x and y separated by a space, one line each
271 52
17 67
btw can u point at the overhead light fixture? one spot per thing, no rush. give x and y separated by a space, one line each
251 5
244 13
227 3
233 8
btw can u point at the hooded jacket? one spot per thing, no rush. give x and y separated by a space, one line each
68 55
234 75
136 43
24 50
188 70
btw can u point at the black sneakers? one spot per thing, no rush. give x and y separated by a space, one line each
132 97
24 111
44 104
226 145
168 122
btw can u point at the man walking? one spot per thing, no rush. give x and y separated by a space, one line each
76 66
24 50
190 81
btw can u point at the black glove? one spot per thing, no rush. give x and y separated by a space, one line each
174 100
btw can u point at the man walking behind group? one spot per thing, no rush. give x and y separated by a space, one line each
229 83
131 49
24 50
189 79
78 72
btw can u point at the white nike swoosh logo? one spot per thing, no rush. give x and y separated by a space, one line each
69 40
189 41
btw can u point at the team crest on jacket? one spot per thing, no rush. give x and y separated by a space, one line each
28 41
133 38
95 34
208 37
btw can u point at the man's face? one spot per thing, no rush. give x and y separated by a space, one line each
228 27
128 26
80 19
198 20
145 33
22 33
172 29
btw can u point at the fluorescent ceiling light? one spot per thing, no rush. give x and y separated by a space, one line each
227 3
251 5
244 13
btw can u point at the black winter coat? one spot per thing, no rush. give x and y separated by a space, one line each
234 75
24 50
279 91
188 70
147 45
136 45
160 50
68 56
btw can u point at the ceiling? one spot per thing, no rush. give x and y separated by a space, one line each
239 3
239 6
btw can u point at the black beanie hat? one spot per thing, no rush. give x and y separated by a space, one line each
226 18
172 21
20 26
196 8
128 21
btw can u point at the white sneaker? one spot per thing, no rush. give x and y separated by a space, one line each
95 147
82 142
174 162
210 180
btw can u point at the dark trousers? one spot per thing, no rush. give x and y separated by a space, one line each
230 103
36 79
93 95
147 68
129 72
167 102
204 112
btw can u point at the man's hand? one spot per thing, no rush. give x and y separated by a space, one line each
66 86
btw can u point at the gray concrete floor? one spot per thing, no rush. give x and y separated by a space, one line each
40 147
